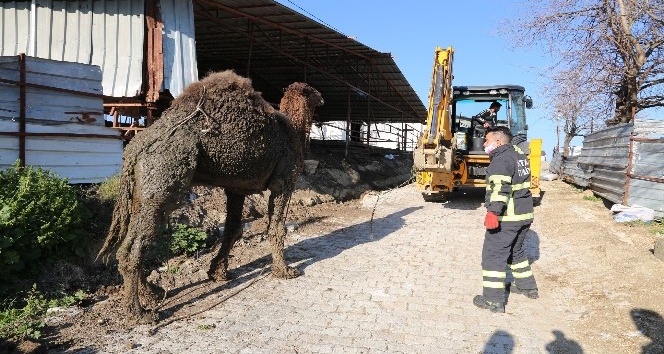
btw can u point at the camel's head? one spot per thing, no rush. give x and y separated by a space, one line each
314 97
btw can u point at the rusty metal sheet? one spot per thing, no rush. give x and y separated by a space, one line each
62 131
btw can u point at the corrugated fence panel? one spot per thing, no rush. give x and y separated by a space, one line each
179 45
117 39
92 155
648 159
79 159
604 158
646 183
648 194
651 128
49 105
106 33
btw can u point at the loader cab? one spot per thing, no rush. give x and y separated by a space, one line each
468 101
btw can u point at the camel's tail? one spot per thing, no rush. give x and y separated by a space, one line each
123 208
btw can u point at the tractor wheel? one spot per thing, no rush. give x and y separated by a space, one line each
434 197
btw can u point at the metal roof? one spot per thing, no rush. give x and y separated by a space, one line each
276 46
488 88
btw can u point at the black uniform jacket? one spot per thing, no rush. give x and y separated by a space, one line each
508 185
486 116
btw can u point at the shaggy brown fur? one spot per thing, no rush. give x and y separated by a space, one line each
220 132
292 106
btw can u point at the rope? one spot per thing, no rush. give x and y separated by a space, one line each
373 211
199 108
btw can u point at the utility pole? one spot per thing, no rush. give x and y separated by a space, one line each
558 133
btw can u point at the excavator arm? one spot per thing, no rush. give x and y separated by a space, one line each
438 126
434 157
435 151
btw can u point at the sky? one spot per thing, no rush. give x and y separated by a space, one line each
411 30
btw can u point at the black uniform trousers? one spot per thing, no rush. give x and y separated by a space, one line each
502 247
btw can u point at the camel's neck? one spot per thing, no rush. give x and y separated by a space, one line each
300 117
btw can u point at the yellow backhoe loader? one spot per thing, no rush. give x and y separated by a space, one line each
450 151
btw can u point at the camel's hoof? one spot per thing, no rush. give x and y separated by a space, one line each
219 275
143 316
148 317
286 273
152 295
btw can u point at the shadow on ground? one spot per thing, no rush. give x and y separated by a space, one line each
310 250
465 198
319 248
651 325
502 342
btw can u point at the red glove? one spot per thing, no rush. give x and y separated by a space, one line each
491 221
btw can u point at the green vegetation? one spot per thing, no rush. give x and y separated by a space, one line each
656 227
576 189
28 321
187 240
172 269
108 190
41 220
592 198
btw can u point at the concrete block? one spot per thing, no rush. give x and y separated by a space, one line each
310 167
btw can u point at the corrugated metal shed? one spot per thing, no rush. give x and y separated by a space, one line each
272 44
276 46
106 33
61 129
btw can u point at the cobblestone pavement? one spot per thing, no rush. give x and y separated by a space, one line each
403 283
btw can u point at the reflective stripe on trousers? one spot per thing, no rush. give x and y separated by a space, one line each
503 247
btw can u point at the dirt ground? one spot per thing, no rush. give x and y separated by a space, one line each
605 269
330 184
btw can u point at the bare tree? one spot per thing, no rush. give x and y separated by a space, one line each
616 46
573 105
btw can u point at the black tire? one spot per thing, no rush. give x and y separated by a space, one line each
434 197
537 201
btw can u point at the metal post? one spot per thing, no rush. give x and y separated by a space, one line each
369 114
306 57
22 110
628 172
116 114
154 52
348 124
558 134
251 47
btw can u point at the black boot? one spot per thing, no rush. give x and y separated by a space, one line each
529 293
498 307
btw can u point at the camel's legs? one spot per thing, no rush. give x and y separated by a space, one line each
232 233
144 223
155 195
277 231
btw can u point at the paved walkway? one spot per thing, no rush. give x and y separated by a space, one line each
402 284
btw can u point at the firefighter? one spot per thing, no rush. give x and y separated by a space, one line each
509 214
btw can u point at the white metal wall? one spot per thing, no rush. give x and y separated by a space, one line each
179 45
106 33
83 151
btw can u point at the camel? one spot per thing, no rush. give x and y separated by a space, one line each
219 132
